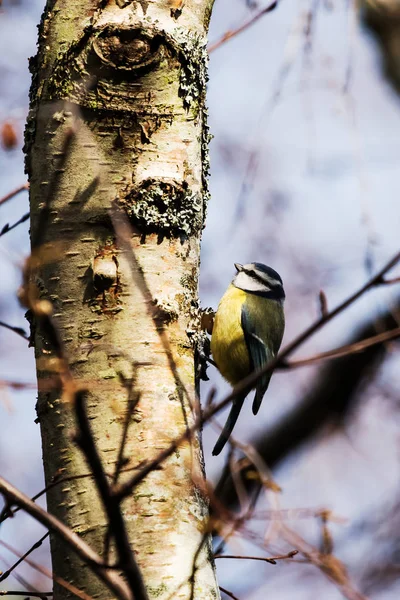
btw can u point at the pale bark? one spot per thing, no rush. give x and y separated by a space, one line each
128 77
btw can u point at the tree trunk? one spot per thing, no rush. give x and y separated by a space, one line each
118 119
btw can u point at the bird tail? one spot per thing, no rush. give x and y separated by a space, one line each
230 424
260 391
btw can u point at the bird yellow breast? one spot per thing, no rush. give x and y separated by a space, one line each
228 345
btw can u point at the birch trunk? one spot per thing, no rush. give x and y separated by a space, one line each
118 114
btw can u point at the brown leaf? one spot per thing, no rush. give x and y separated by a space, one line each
8 135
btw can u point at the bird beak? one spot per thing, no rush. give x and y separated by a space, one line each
238 267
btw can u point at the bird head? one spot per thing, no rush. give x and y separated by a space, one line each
257 278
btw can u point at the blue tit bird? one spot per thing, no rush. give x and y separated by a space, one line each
247 333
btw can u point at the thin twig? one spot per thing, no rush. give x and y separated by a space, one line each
389 281
195 567
392 334
264 475
374 281
10 195
23 557
17 385
25 593
237 482
21 580
290 53
8 227
8 512
18 330
228 593
328 564
68 586
228 35
124 233
271 559
111 503
133 399
93 560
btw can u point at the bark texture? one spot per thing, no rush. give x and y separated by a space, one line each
118 115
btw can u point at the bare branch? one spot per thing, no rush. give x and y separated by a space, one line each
271 559
345 350
25 593
8 512
132 401
124 233
228 593
17 385
126 559
11 195
111 579
21 580
234 32
374 281
23 557
18 330
68 586
8 227
385 281
329 565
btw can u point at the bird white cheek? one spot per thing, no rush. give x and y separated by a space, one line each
249 284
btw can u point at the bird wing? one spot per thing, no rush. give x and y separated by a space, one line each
259 354
236 407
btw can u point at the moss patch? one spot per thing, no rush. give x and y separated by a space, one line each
168 208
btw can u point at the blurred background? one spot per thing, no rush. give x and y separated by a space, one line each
304 108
